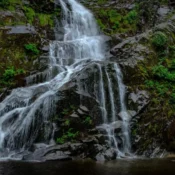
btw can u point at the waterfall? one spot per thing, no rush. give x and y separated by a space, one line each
27 109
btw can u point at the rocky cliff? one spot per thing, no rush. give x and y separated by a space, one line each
141 38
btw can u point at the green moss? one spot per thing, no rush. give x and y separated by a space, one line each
88 120
70 135
112 21
31 48
10 4
159 39
8 77
30 14
100 2
45 19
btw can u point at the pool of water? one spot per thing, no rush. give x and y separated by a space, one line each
118 167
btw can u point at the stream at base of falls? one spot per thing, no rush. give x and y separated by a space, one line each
119 167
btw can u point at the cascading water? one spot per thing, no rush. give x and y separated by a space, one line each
25 110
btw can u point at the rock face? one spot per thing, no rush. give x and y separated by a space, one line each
137 56
69 151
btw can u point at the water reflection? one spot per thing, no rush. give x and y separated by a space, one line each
119 167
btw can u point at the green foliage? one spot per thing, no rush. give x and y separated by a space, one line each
67 122
9 4
68 110
9 75
101 1
131 16
88 120
101 25
159 39
65 111
30 14
162 72
172 98
32 48
111 21
70 135
161 79
161 88
45 19
4 3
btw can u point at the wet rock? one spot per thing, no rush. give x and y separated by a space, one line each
138 100
36 146
20 29
163 11
93 131
45 48
80 112
58 155
74 115
130 51
109 154
46 153
77 148
117 39
99 148
100 157
12 17
4 92
90 140
84 108
117 124
101 138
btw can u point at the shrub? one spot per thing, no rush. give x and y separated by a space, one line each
45 19
88 120
32 48
131 16
159 39
69 135
172 98
162 72
4 3
9 75
30 14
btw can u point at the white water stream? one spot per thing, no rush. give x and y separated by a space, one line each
24 111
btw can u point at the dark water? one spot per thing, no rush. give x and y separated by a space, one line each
119 167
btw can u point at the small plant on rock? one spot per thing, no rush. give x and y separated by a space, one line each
32 48
70 135
88 120
159 39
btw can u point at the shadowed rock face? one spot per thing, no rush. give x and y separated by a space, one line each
46 5
172 3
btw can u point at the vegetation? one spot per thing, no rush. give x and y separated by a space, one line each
31 48
88 120
9 4
30 14
8 77
161 76
45 19
111 21
159 39
70 135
